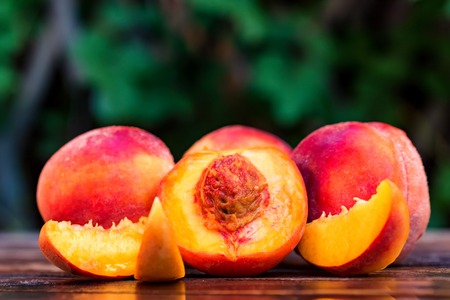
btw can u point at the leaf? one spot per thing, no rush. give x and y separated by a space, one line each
245 15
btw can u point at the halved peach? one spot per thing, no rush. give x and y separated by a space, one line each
159 259
366 238
93 251
237 212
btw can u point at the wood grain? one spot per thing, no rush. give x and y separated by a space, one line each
25 274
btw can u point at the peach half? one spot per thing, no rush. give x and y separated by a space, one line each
364 239
341 161
238 136
104 175
237 212
159 259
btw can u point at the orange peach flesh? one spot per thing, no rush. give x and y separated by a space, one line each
159 259
364 239
257 245
93 251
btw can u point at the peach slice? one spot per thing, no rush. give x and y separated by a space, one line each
237 212
93 251
238 136
364 239
159 259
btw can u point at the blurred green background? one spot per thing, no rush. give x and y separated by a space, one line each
182 68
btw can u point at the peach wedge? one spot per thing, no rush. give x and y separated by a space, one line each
159 259
93 251
237 212
364 239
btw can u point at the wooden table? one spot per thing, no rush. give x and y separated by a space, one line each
25 274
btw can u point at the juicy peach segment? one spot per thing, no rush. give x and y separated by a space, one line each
235 213
159 259
93 251
236 137
364 239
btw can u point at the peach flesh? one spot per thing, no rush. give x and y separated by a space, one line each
246 246
93 251
344 160
103 175
238 136
365 239
159 259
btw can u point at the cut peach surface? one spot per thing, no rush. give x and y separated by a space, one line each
235 213
238 136
93 251
364 239
159 258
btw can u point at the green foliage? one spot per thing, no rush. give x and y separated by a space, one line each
15 28
246 16
440 191
134 83
293 71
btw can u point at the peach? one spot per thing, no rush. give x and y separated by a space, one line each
364 239
159 259
103 176
346 160
146 248
236 212
238 136
93 251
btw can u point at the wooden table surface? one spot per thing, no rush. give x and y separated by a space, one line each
25 274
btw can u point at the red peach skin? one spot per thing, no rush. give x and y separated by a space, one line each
341 161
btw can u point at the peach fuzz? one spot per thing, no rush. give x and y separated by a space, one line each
103 175
237 212
364 239
159 259
93 251
346 160
238 136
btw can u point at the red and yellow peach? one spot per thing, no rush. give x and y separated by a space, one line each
342 161
103 175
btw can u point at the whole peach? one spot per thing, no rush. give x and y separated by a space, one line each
341 161
103 175
238 136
